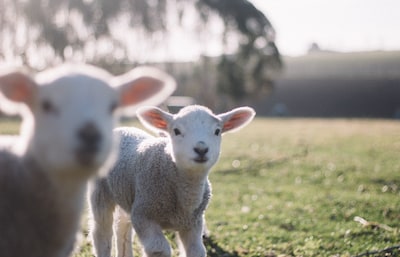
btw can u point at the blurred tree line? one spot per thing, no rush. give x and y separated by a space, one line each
119 34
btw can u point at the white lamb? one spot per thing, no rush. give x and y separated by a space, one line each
69 115
8 141
161 182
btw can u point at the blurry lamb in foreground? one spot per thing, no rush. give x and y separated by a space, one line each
68 117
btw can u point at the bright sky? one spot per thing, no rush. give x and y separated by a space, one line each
342 25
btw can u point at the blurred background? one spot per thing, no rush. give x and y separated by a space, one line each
291 58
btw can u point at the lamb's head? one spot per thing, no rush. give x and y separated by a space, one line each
195 132
71 111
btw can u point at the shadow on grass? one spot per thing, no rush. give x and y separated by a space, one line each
393 251
214 250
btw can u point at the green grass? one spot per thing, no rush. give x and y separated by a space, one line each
292 187
9 125
300 184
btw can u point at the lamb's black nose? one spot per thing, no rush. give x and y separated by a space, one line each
89 136
89 145
201 149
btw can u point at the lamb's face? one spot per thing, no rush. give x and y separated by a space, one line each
69 111
195 132
73 123
196 139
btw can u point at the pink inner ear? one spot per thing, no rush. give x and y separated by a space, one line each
140 90
155 119
17 87
236 120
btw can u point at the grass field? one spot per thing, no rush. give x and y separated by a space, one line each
292 187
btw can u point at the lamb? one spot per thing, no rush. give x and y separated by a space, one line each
8 141
161 183
68 116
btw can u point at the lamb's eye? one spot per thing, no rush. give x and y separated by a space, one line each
217 131
48 107
177 132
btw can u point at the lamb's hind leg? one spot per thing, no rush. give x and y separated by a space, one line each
101 209
123 233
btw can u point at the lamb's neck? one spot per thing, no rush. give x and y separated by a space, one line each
69 186
68 194
191 190
71 191
71 195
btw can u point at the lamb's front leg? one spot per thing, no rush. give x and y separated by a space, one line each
101 228
191 242
151 236
123 233
102 209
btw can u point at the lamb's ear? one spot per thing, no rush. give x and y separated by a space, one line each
154 118
236 119
16 87
144 86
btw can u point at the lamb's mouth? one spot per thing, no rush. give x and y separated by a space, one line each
86 156
201 159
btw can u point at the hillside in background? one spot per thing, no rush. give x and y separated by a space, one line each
320 84
362 84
